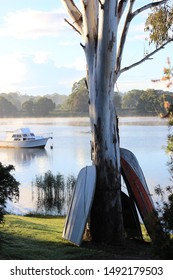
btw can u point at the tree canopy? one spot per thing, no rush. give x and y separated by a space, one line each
78 99
7 108
144 101
43 106
160 24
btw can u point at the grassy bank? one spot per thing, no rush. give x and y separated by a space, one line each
38 238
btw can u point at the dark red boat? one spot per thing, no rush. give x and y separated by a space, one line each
137 186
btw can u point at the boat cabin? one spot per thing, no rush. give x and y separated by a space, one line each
21 134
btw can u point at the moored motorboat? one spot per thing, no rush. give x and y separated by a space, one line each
23 138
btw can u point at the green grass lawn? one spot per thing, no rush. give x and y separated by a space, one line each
37 238
40 238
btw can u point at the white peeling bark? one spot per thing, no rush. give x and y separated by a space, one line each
74 13
100 49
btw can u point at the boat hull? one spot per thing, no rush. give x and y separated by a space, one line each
35 143
139 192
80 206
136 183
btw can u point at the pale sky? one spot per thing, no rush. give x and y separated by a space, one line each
40 54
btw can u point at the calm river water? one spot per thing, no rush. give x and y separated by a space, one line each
145 137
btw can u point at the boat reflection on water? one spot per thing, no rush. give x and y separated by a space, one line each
22 156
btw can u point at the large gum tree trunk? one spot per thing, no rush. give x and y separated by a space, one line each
106 223
97 23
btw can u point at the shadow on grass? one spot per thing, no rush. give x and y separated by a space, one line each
28 248
29 238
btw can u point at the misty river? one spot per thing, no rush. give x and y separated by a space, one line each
144 136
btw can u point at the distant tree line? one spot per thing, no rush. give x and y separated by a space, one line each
133 102
147 101
137 102
17 105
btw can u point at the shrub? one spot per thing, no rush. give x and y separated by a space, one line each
9 187
165 215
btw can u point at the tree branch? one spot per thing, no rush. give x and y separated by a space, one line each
121 7
148 6
148 56
102 5
123 37
72 25
75 14
90 19
130 15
